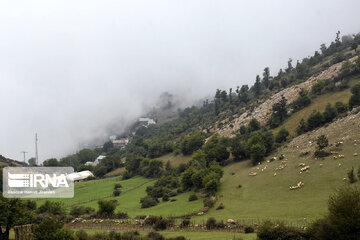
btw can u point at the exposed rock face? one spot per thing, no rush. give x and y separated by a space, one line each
263 112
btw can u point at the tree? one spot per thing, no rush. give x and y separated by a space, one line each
344 213
355 98
244 93
254 125
198 159
290 67
86 155
341 107
238 148
52 162
266 77
301 128
108 146
257 153
186 177
279 113
315 120
13 213
32 162
330 113
322 142
106 208
230 95
257 86
52 229
281 135
301 101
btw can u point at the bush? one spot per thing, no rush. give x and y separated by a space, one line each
106 208
193 197
165 198
116 193
281 135
270 231
211 223
82 235
185 223
122 215
321 154
77 211
52 229
118 185
148 201
208 202
249 229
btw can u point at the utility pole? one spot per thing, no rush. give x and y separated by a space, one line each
36 150
24 152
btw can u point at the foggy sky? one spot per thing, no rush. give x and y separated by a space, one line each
70 69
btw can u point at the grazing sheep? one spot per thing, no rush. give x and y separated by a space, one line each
339 164
335 157
306 168
302 164
344 179
230 221
341 156
321 164
355 154
274 174
252 173
298 185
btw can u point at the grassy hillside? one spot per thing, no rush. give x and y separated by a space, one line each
319 103
266 196
175 160
88 193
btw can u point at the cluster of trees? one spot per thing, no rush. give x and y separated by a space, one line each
318 119
254 142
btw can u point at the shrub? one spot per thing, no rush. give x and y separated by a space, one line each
148 201
211 223
185 223
117 185
122 215
281 135
77 211
165 198
106 208
322 142
220 225
116 193
82 235
321 153
270 231
52 229
351 176
193 197
248 229
208 202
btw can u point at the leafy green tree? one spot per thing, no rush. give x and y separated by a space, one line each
289 67
211 186
330 113
355 98
257 153
186 177
32 162
190 144
106 208
322 142
301 101
257 86
279 113
52 209
13 213
301 128
266 77
52 229
268 140
238 148
198 159
244 94
107 147
86 155
52 162
341 107
216 149
154 169
318 87
281 135
254 125
315 120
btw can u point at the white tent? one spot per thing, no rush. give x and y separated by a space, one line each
77 176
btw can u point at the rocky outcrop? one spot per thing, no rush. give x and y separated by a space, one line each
263 112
